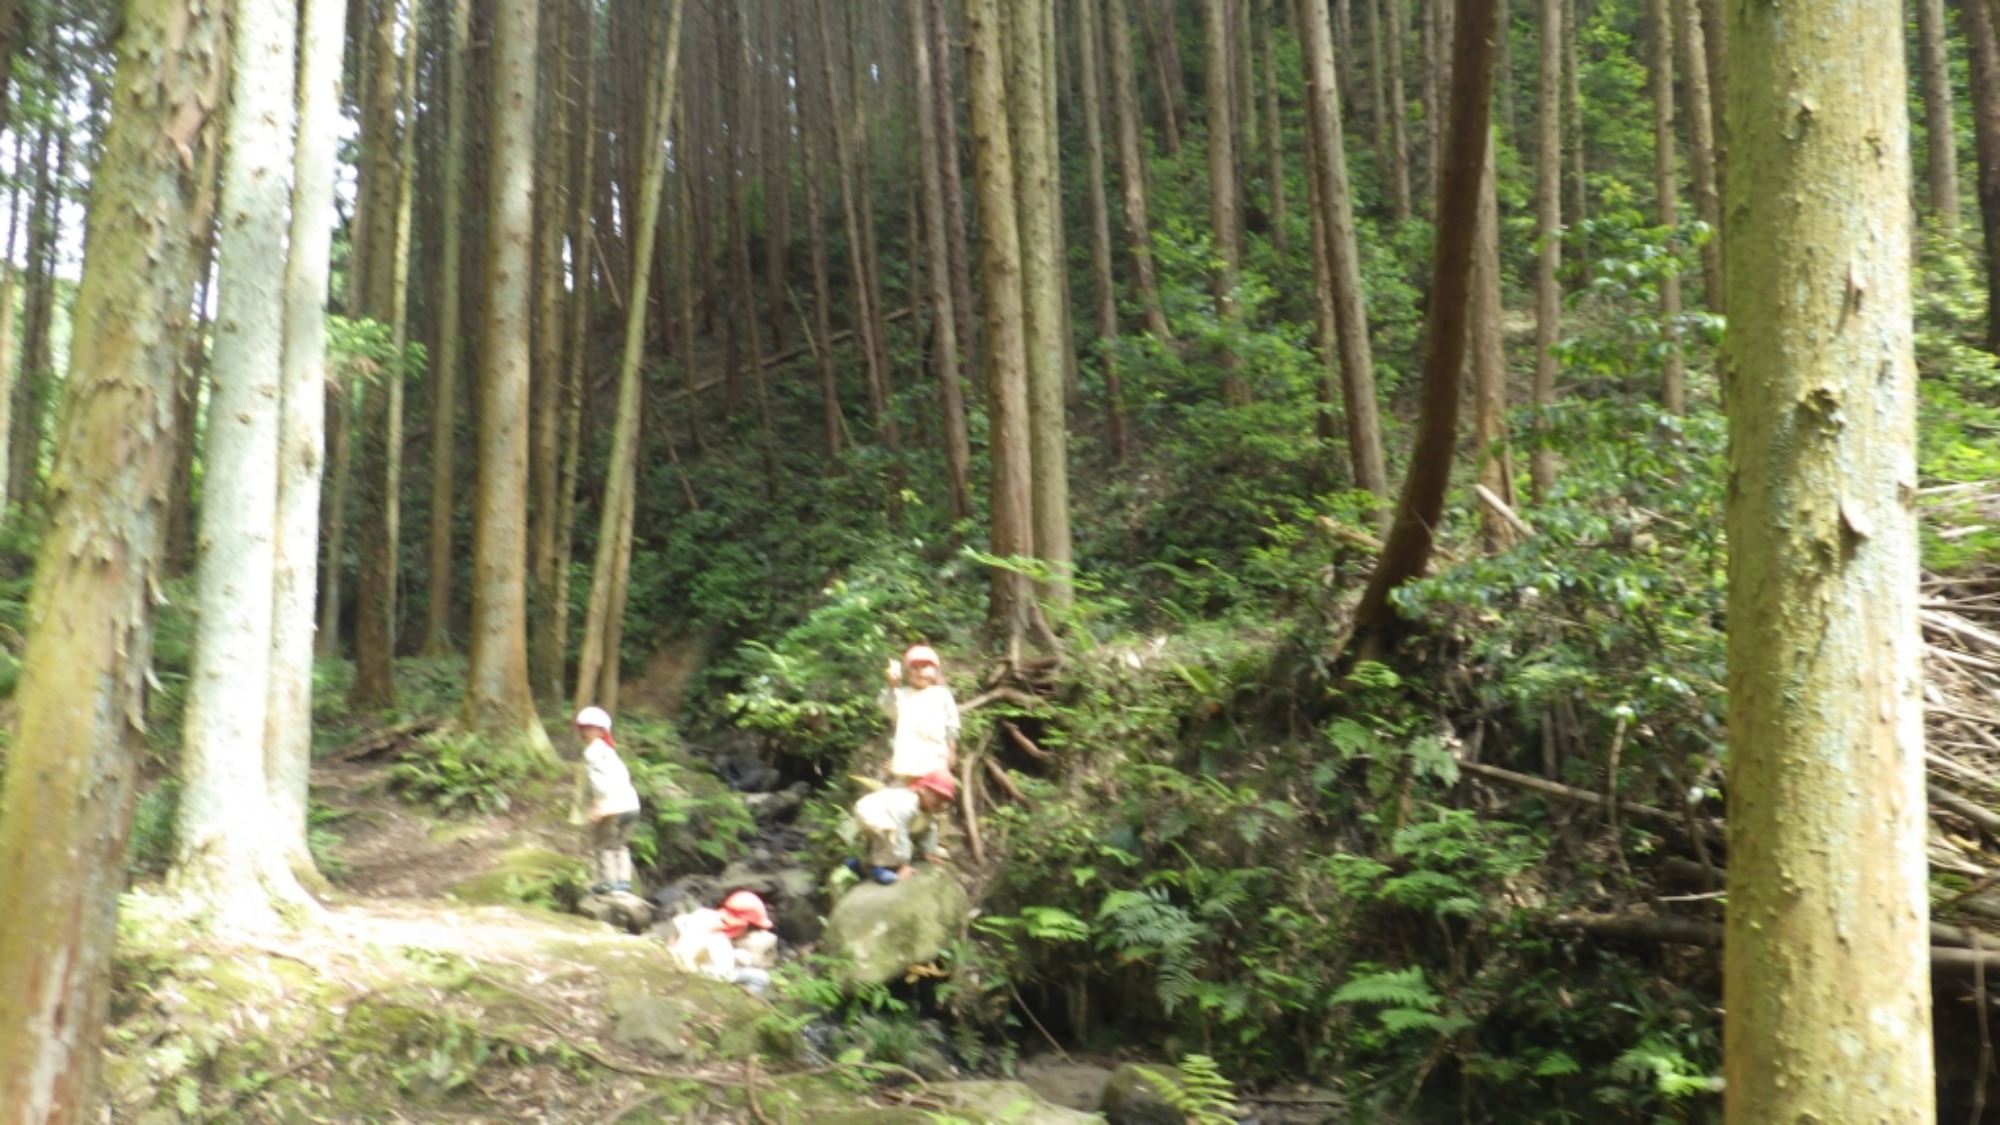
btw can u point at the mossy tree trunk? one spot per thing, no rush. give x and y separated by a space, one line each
66 808
1825 970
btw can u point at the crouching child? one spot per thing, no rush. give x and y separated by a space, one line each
898 824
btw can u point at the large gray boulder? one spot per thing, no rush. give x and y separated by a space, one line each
883 930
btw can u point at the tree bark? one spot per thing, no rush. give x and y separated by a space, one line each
545 646
867 321
1343 256
937 269
1701 148
1573 111
1225 208
1163 48
66 805
1010 530
497 697
1548 235
447 357
1044 293
1673 373
584 138
946 109
614 534
1399 135
1090 35
1825 979
1983 61
1494 465
1274 130
1940 134
1407 548
374 686
1132 173
223 862
301 435
24 441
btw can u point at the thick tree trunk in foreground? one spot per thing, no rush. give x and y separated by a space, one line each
1825 972
497 698
1010 533
1343 255
66 808
301 434
1940 134
224 862
1407 549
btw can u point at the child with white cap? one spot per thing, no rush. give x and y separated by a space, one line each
614 803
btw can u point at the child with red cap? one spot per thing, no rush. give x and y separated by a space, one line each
896 824
733 942
925 714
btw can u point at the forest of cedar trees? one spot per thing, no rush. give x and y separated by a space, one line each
1465 536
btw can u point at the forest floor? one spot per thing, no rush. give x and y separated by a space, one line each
422 991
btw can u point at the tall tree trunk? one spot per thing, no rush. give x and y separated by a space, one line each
1825 974
583 138
1666 187
374 686
742 284
1343 256
301 436
497 697
1132 172
614 533
24 442
1714 43
945 105
1548 235
1163 48
1224 202
1494 465
545 646
1399 135
1982 53
1044 292
66 805
447 357
1701 149
822 344
867 318
1573 113
937 269
1009 528
1406 551
223 862
180 553
1090 47
1940 134
1274 131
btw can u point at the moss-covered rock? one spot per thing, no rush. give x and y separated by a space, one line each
1006 1103
529 873
880 931
1132 1098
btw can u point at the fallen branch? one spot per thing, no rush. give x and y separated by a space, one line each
968 800
383 740
1026 744
1505 512
1965 659
1568 792
1987 820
